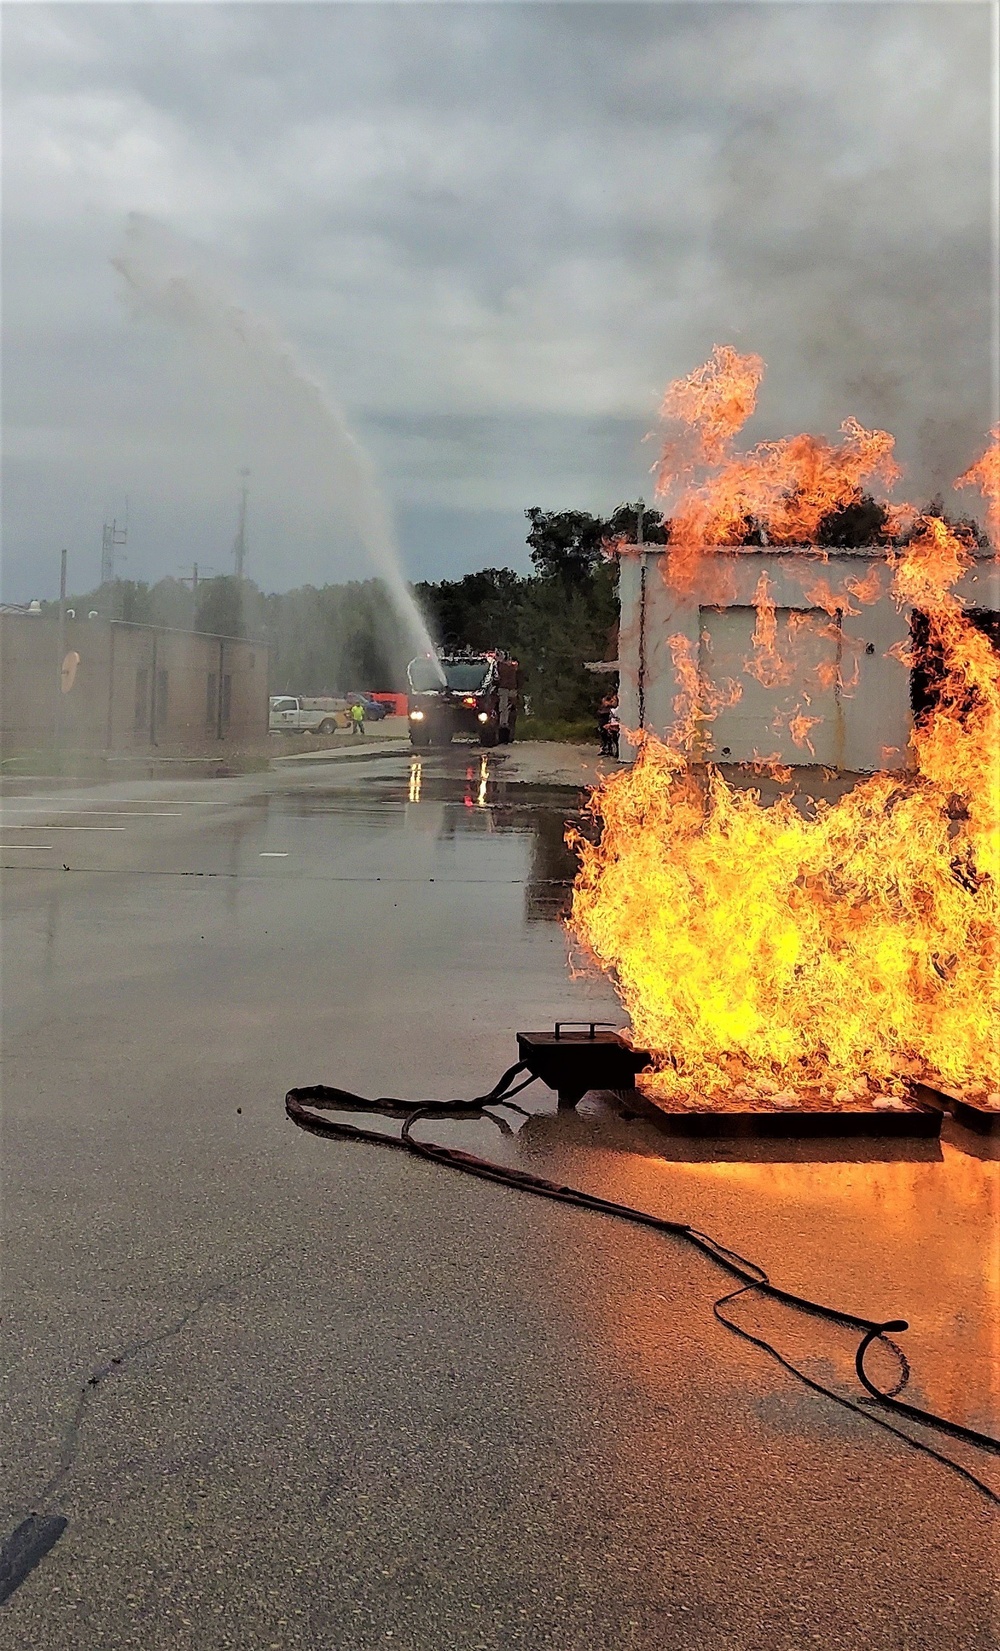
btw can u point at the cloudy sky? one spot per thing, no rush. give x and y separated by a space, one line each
494 231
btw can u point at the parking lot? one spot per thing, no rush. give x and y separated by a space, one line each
360 1401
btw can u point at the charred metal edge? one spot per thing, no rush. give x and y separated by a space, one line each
918 1122
982 1119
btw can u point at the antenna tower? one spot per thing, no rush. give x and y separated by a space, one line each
114 540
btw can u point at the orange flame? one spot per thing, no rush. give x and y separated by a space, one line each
766 663
759 952
713 404
800 725
865 590
985 474
791 484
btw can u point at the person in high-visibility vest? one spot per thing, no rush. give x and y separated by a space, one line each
357 717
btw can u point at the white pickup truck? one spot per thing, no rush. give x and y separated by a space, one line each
291 714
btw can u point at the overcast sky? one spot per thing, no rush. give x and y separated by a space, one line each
495 232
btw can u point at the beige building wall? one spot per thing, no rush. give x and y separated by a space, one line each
127 686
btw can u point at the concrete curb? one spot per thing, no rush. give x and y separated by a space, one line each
377 748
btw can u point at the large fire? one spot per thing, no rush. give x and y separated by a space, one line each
765 957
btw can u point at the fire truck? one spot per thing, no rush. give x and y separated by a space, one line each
470 693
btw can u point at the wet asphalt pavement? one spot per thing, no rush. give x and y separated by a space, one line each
363 1402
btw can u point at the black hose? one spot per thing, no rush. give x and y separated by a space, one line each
303 1105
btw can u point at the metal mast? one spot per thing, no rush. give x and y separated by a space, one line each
113 540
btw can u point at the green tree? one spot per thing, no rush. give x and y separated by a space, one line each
565 544
224 606
172 604
552 621
126 599
623 523
853 525
562 629
333 639
481 610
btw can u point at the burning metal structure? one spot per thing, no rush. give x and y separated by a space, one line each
742 639
770 957
790 664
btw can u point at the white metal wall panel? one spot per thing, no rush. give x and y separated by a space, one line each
872 716
800 678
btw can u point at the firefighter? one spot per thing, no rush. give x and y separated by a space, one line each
608 726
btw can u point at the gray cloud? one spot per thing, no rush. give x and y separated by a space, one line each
496 231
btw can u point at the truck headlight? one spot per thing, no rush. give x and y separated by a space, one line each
416 716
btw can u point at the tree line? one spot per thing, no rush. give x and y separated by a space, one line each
342 637
554 620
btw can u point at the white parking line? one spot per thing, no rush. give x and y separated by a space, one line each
274 854
138 802
106 813
48 827
29 847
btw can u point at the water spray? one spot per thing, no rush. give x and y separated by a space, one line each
164 278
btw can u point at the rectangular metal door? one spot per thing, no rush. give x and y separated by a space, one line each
789 699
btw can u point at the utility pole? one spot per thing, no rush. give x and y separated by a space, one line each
240 543
62 646
193 579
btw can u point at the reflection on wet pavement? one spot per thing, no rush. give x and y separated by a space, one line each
468 797
901 1228
884 1229
521 1414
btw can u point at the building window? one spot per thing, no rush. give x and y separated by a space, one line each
227 696
211 700
141 696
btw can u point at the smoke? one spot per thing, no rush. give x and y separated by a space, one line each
851 235
498 231
280 418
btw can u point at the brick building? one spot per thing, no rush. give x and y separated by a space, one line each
115 687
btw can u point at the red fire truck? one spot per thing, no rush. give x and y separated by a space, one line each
474 694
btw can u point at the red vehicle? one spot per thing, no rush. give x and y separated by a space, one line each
463 693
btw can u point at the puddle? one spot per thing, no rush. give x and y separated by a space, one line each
450 796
